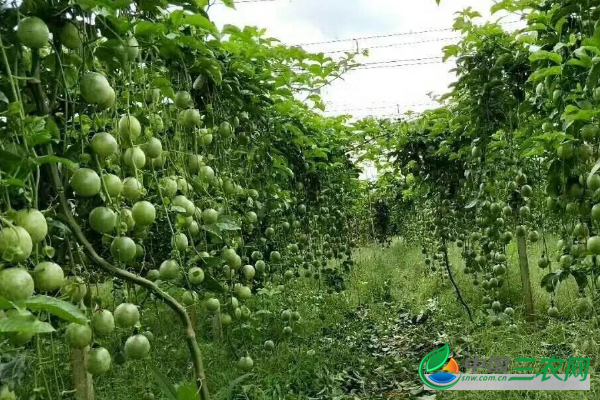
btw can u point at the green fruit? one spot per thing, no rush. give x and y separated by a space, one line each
248 271
190 118
15 244
210 216
143 213
156 123
593 245
213 305
260 266
113 184
137 347
153 148
226 319
207 174
526 191
104 144
275 256
78 336
103 219
565 151
74 289
183 99
133 48
269 233
189 298
97 361
33 32
70 36
269 345
246 363
111 97
206 139
169 270
251 217
129 128
126 315
16 284
132 189
196 275
243 292
103 323
34 223
153 275
596 212
123 249
186 204
95 89
584 306
48 276
287 331
168 186
553 312
180 242
85 182
225 129
134 157
589 132
543 262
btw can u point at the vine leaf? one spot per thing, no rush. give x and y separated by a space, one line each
60 308
164 383
24 323
230 3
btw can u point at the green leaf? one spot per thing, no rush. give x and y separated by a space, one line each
437 358
212 284
60 308
544 72
57 160
149 29
164 383
592 79
3 97
229 3
200 21
227 392
472 204
596 168
165 87
5 304
24 323
214 229
546 55
226 223
187 391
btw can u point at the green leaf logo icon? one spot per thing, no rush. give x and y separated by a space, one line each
437 358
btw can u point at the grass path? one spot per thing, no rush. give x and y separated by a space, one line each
364 342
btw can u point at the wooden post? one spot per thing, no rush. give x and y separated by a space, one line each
217 329
525 281
82 381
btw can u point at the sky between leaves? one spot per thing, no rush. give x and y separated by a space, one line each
381 87
403 70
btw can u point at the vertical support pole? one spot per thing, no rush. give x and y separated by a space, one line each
82 381
525 281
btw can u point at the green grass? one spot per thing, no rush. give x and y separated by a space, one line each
363 343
